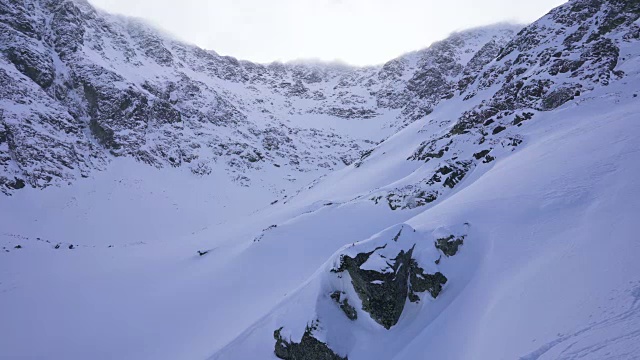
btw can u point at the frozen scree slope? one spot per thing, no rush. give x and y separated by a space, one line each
474 200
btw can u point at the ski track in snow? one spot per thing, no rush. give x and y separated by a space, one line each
617 336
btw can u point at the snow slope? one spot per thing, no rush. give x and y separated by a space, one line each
549 270
550 267
544 206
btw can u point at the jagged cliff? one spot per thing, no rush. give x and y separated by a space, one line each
87 86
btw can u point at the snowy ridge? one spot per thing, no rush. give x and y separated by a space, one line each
120 88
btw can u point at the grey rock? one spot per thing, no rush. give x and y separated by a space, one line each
383 294
309 348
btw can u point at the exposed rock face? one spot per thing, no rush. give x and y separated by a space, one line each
446 176
537 74
343 302
562 56
383 294
417 82
449 245
378 277
93 86
309 348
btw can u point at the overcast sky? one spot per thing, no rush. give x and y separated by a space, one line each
359 32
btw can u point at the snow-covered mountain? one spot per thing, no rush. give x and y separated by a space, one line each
473 200
95 86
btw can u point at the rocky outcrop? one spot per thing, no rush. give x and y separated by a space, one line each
557 59
309 348
384 293
340 299
419 81
449 245
375 279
